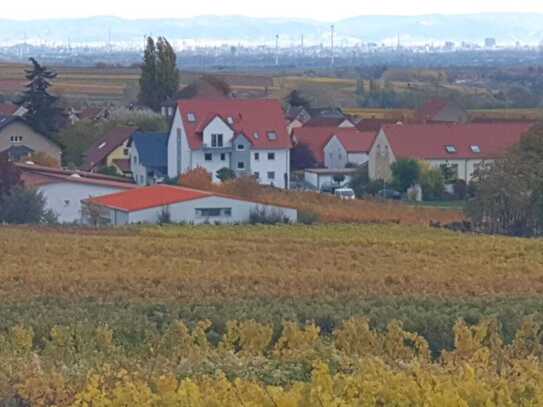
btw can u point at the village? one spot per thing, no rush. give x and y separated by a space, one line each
127 173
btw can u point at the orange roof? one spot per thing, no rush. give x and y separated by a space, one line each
148 197
356 141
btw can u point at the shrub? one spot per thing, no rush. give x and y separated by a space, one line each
263 216
197 178
226 174
308 217
432 183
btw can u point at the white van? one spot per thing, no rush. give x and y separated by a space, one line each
344 193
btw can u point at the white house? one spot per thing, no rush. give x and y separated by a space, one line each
64 189
348 146
149 204
247 136
460 147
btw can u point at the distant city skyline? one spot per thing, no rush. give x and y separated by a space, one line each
339 9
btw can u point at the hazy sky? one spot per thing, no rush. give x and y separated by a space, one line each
314 9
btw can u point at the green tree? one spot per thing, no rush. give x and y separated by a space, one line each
167 74
43 113
25 206
148 95
432 183
359 181
225 174
295 98
159 74
405 173
301 157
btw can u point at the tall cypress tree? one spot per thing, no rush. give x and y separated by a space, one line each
167 72
43 113
148 95
159 76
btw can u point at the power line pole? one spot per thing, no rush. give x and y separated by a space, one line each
332 32
277 50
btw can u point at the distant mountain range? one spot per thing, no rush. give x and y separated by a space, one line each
206 30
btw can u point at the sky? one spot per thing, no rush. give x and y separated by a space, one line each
311 9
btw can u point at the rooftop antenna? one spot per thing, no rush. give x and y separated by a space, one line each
332 32
276 49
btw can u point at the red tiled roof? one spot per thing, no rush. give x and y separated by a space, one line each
429 141
250 116
355 141
315 138
8 109
430 109
106 145
148 197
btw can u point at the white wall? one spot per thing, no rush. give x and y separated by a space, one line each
381 158
218 126
335 155
318 180
357 158
139 172
198 160
173 144
186 211
64 198
280 165
466 168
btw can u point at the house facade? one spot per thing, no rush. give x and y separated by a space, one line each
149 204
462 148
20 140
348 146
148 157
63 190
248 136
111 150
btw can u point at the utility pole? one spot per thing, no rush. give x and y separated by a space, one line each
332 31
277 50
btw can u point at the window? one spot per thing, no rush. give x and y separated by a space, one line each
257 156
216 140
125 151
178 132
271 156
223 157
475 148
16 139
213 212
272 135
271 175
208 157
135 160
240 147
230 120
241 165
257 175
67 202
450 149
191 117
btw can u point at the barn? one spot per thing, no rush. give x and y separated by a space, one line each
154 203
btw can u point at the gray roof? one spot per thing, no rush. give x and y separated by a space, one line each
5 120
152 148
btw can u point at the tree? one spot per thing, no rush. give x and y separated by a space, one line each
360 180
294 98
508 194
42 114
25 206
167 74
405 173
10 176
159 74
432 183
301 157
197 178
339 178
226 174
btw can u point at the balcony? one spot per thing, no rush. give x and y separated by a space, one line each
227 148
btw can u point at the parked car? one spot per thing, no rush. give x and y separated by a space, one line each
344 193
328 188
389 194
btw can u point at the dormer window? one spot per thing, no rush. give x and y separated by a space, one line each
272 135
256 135
191 117
102 145
230 120
450 149
475 148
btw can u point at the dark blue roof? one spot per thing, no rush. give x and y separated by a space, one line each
152 148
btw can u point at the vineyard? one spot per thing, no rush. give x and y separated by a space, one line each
331 315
